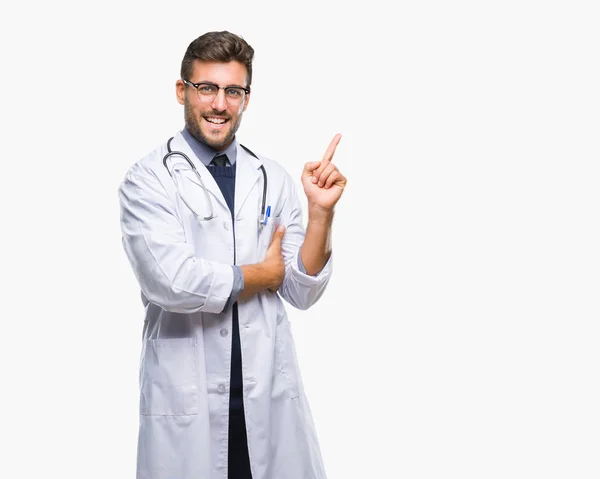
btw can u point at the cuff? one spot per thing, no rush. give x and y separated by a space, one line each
217 297
299 273
238 284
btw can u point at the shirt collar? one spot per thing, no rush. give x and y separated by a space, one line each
206 153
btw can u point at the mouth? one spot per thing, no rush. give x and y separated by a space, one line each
216 122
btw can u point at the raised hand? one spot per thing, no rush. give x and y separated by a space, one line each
322 181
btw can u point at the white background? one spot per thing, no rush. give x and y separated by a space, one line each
459 335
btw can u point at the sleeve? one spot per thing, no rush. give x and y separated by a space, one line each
165 265
238 285
298 288
301 264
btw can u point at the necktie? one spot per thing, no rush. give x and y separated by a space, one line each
220 160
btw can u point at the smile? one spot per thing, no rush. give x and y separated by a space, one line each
215 120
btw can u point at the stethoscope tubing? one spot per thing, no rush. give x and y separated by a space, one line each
171 153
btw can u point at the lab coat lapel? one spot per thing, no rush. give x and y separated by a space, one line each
246 175
179 144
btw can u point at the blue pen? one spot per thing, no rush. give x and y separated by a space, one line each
268 214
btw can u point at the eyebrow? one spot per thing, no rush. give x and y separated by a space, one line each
226 86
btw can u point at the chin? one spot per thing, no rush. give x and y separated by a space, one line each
218 141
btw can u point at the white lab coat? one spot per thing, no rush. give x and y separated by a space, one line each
183 267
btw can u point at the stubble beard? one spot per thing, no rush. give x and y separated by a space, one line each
192 123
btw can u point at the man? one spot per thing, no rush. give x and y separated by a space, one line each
215 237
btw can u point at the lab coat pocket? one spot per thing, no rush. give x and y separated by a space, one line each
168 377
266 235
286 355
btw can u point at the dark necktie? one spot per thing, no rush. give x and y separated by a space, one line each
220 160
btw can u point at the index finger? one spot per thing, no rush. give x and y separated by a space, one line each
331 148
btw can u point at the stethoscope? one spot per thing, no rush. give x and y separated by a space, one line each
264 214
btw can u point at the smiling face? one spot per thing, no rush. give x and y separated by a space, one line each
213 121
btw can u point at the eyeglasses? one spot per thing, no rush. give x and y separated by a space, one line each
208 91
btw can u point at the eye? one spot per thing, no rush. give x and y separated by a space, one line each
234 92
207 89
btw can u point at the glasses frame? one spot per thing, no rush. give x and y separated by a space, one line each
200 96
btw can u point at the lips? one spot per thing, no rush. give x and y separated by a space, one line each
215 120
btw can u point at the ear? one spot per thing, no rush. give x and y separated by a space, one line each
180 91
246 101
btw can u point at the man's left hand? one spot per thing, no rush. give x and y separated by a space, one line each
322 181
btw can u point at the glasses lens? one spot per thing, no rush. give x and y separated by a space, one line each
208 91
234 95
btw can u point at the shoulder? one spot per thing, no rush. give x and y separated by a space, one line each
151 160
150 163
146 170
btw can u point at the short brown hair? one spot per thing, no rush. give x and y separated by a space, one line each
218 47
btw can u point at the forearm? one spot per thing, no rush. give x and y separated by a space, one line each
257 277
255 280
316 249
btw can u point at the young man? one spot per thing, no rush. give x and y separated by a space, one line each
214 234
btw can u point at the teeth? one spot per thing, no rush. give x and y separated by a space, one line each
217 121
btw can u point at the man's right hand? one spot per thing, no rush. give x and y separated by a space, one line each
268 274
274 259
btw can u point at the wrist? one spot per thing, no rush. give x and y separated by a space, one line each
318 214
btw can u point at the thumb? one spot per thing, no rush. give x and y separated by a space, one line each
278 234
310 167
280 231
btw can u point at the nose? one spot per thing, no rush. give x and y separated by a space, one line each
218 102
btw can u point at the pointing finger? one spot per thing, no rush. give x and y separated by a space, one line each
331 148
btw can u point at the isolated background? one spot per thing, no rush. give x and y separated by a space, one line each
459 335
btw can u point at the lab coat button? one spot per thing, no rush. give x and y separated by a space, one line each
226 225
221 388
224 332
